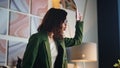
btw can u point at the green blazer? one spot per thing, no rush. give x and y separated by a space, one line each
38 55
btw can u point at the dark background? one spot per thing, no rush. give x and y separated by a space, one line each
108 32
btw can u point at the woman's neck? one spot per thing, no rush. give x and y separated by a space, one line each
50 35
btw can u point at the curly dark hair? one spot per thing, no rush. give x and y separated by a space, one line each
52 22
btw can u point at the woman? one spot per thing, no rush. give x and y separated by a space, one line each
47 48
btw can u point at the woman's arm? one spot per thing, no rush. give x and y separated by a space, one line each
78 33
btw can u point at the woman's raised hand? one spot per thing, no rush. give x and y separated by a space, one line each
78 16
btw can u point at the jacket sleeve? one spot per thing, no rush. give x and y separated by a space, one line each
30 52
78 35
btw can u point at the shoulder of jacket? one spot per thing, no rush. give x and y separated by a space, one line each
39 35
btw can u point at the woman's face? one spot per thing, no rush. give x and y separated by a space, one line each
64 25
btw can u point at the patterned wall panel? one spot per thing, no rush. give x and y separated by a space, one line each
3 52
35 22
39 7
20 5
3 21
4 3
15 49
19 25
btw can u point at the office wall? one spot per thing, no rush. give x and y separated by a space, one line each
90 25
90 33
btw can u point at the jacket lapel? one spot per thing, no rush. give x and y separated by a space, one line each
60 43
47 46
